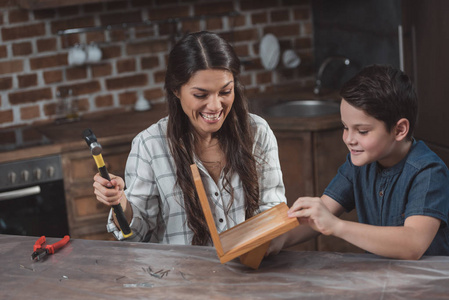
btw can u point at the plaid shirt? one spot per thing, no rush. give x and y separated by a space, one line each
157 203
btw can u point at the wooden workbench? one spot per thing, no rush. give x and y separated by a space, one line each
119 270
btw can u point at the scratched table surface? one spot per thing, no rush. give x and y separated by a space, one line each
86 269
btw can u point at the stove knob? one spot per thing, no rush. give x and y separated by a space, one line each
25 175
12 176
50 171
38 173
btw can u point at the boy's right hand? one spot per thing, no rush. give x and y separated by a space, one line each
109 192
315 213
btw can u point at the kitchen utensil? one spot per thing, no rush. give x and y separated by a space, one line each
142 104
290 59
269 51
77 56
93 53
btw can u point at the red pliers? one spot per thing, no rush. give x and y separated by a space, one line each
41 250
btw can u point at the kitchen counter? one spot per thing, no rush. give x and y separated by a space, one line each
119 270
258 103
109 128
123 126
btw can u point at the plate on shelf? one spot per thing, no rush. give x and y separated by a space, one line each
270 51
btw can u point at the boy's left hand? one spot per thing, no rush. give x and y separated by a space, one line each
313 212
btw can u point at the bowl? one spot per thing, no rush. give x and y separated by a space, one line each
303 109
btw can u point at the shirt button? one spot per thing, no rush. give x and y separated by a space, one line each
220 220
381 193
216 194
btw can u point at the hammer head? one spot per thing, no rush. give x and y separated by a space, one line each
91 140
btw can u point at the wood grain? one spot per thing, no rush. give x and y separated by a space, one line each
249 239
206 210
254 257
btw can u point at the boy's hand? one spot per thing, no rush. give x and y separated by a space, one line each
313 212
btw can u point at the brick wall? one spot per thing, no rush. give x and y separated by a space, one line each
34 67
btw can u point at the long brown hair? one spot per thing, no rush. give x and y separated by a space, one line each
203 51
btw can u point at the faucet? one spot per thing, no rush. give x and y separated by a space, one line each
323 66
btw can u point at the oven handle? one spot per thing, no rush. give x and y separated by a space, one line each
29 191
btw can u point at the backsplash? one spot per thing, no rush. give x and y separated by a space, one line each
35 75
364 31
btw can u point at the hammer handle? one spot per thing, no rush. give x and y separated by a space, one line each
118 210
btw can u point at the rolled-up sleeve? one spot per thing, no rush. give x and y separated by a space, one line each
141 192
271 185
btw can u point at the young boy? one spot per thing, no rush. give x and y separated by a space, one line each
398 186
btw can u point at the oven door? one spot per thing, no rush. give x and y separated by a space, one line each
34 210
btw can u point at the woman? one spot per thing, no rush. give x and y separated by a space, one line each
208 124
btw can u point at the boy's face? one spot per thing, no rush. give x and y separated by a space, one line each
366 137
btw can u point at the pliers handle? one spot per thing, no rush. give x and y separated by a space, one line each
40 249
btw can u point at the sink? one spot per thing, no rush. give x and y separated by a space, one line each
303 108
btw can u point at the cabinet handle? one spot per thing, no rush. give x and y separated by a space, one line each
34 190
415 62
401 48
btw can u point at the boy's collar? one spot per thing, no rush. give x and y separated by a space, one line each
397 167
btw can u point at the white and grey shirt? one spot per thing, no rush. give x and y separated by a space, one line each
157 202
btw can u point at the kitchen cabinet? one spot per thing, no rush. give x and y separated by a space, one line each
426 44
329 154
87 216
309 160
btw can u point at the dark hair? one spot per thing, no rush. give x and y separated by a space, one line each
384 93
203 51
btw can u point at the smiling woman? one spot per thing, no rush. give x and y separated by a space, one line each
208 124
207 99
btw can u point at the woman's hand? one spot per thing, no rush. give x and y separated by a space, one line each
313 212
109 192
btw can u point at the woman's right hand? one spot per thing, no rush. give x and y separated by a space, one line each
109 192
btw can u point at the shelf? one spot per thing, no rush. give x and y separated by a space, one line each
40 4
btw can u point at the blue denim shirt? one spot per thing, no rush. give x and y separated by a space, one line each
417 185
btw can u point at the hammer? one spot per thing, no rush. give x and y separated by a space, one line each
95 149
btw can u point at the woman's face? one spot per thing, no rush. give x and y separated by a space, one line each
207 99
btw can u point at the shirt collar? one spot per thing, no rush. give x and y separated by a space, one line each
397 168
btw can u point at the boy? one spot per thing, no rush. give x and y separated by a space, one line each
399 187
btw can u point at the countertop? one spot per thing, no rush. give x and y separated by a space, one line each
85 269
114 128
258 103
122 126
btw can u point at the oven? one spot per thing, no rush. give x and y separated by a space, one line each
32 200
